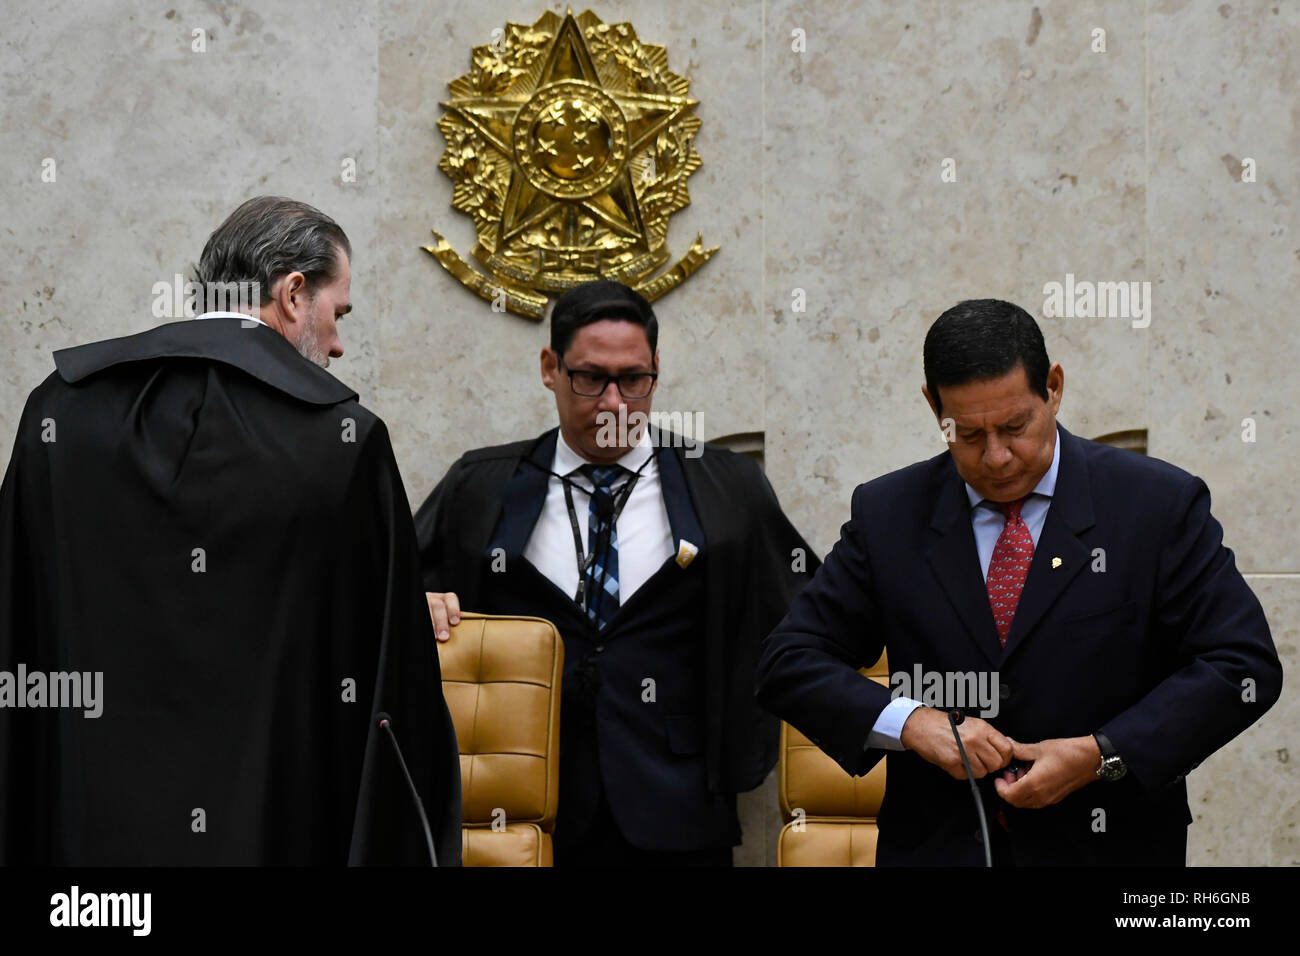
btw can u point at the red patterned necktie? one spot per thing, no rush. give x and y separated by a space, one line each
1009 567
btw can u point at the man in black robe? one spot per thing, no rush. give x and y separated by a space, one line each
662 561
209 592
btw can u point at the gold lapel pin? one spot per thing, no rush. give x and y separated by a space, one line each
686 552
1056 563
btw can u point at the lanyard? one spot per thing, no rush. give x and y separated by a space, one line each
602 543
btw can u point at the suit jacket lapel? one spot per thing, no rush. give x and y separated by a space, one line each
1069 516
955 561
682 518
523 495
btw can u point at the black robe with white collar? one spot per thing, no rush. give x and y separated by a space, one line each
757 563
218 528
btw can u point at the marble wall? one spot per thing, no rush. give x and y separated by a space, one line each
823 180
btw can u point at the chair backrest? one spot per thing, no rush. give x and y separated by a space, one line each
501 680
830 814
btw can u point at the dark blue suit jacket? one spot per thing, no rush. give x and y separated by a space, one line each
489 498
1166 651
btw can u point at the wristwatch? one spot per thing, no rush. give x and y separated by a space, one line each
1112 766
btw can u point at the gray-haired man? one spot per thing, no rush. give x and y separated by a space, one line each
206 528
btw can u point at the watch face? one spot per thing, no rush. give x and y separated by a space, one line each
1112 768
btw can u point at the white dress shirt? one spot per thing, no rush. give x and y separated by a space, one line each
645 538
987 522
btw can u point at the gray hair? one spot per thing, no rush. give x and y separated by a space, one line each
268 237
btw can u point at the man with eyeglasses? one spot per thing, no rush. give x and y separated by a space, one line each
662 566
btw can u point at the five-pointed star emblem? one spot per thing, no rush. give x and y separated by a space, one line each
644 115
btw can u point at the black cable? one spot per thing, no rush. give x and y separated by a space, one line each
955 717
386 723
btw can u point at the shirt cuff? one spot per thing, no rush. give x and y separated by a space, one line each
888 728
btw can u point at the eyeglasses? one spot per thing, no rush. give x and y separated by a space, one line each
593 384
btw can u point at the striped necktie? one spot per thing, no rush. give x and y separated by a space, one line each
602 577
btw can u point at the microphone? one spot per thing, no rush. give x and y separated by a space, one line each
955 717
386 723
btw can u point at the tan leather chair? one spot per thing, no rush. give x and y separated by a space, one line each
501 679
831 816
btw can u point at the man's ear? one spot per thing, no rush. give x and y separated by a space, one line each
930 399
550 367
291 296
1055 386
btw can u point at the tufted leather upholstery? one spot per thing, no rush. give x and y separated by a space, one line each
501 679
837 826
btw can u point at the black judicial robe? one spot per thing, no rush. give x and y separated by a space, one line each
757 563
217 527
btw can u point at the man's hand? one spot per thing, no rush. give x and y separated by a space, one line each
1058 767
927 732
445 611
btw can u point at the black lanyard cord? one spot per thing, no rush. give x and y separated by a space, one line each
587 599
585 560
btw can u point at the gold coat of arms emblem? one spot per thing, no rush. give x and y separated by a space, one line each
569 143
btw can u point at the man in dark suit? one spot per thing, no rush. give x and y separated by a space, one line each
209 527
1085 589
662 562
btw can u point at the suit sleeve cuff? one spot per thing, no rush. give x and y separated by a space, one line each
888 728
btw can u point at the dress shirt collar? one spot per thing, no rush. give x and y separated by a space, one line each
230 315
1046 485
567 461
